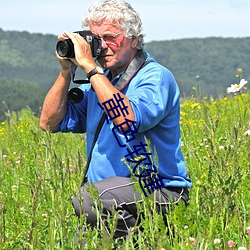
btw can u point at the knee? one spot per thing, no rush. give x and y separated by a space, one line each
77 206
83 205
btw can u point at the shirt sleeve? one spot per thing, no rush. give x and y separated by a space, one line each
154 96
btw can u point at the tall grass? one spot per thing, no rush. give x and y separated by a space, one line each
40 172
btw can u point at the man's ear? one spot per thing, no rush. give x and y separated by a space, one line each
134 42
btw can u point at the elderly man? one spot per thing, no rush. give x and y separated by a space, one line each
146 98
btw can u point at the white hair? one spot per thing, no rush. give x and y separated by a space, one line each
120 13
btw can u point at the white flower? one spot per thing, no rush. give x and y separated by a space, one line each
242 248
22 210
237 87
217 241
246 133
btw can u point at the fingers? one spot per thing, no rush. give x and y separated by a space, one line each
63 36
70 35
82 49
67 35
65 61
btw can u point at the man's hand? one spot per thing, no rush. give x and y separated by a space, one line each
83 54
66 63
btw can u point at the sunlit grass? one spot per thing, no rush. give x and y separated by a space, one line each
40 172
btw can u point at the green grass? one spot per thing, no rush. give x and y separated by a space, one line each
40 172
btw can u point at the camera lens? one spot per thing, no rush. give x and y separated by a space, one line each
65 48
75 95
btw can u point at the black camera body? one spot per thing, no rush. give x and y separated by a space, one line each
65 48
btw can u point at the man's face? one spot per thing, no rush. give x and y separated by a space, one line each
118 50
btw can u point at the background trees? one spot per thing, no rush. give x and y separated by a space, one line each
202 67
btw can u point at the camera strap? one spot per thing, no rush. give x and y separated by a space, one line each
136 64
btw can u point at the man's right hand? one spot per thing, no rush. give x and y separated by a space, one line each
66 63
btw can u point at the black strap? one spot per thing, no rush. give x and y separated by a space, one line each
136 64
97 132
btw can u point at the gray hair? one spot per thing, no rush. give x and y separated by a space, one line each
120 13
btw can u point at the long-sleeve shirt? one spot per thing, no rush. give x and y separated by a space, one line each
154 96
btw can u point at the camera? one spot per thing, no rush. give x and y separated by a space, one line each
65 48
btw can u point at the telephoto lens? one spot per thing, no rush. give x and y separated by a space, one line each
65 48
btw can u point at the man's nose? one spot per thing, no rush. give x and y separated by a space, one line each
104 44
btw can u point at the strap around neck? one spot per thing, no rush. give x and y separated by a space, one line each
131 70
136 64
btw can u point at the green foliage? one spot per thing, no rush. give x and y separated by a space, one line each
40 172
14 95
204 67
28 57
208 62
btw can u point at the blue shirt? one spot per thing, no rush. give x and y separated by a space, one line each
154 97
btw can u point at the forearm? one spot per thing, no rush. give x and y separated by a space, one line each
55 103
105 91
100 83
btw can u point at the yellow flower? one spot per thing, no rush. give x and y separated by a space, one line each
195 105
240 70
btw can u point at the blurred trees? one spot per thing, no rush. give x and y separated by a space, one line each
202 67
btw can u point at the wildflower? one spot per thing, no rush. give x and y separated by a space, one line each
195 106
247 133
248 230
230 244
14 188
237 87
240 70
221 147
45 216
216 241
242 248
198 182
192 240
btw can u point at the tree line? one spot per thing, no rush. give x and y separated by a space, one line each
202 67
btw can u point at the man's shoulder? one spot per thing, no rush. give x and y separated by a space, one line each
155 70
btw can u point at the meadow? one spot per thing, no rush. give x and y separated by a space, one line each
40 172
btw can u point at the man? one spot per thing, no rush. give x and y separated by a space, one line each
150 109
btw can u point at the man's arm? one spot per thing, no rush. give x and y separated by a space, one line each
55 103
100 83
